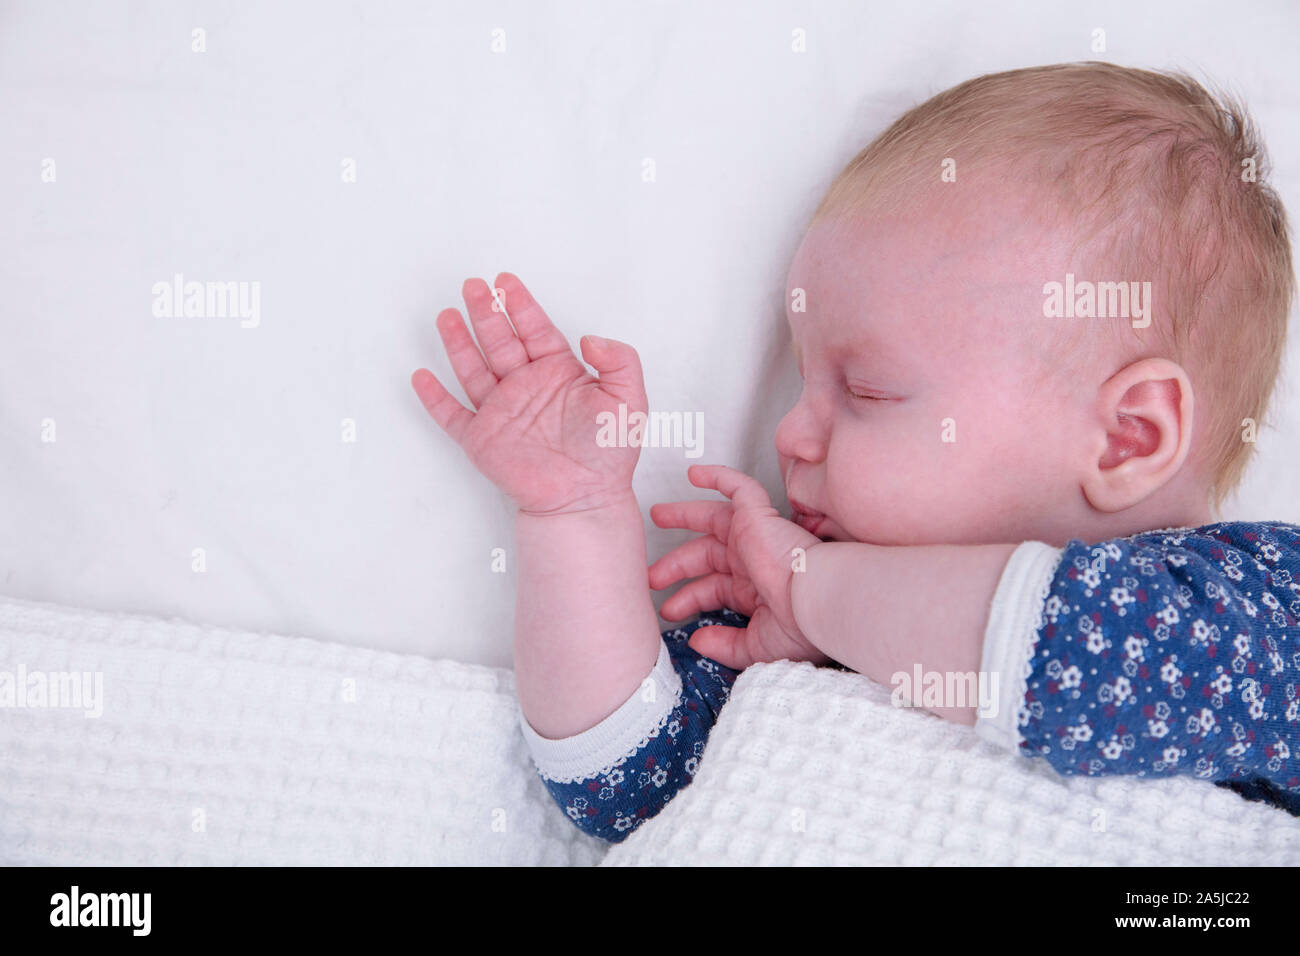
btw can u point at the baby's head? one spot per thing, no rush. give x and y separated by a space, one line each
947 399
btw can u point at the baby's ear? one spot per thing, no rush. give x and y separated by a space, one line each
1143 433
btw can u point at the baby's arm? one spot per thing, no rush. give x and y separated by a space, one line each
614 776
586 629
586 632
1166 652
884 610
615 718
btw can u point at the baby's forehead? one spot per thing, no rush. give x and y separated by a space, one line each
937 227
940 287
927 266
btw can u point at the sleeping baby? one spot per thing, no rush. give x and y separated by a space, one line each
1038 321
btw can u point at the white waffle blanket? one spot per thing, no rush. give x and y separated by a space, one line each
225 747
216 746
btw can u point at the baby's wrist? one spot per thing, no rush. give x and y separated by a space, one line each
593 504
798 572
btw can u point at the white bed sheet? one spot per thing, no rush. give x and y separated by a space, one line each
225 165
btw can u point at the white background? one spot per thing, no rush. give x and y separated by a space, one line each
176 434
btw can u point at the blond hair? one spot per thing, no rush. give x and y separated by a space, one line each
1161 180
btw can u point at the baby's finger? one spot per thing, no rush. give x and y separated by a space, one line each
471 371
536 331
501 347
706 517
619 369
703 594
729 646
693 559
736 485
450 414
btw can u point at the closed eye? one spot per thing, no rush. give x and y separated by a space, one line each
865 398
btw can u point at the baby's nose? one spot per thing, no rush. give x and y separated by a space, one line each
798 436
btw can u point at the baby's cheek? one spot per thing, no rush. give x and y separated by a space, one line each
935 483
883 506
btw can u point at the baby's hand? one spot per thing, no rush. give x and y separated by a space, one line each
750 550
534 434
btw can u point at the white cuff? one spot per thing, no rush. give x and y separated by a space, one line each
595 752
1012 633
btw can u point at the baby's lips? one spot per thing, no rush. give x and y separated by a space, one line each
799 508
809 522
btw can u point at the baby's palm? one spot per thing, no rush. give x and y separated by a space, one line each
538 408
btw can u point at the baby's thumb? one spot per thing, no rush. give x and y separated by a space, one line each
619 367
726 645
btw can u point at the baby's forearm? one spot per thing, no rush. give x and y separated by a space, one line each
586 632
882 610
